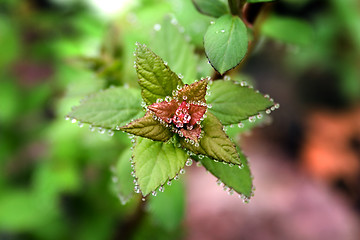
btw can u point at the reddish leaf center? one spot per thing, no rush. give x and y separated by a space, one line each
182 115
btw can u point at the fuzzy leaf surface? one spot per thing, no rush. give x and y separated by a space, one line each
213 8
195 91
156 163
232 176
173 47
110 108
214 143
148 127
226 43
155 78
232 103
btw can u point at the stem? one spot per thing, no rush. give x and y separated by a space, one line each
234 7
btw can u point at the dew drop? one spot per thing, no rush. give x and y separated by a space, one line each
252 119
167 98
133 173
277 106
154 193
165 63
227 78
176 177
157 27
219 182
268 111
80 124
243 83
101 130
182 171
180 76
199 164
222 30
67 118
178 87
196 144
143 199
73 120
212 22
110 132
259 116
189 162
161 189
209 106
169 183
91 128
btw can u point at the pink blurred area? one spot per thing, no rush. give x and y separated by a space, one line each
288 203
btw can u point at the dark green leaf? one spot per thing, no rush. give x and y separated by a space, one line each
148 127
226 42
214 142
111 108
232 103
213 8
155 78
168 208
234 177
156 163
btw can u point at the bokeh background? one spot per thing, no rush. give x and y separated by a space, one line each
59 181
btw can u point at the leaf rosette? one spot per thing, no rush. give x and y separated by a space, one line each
181 123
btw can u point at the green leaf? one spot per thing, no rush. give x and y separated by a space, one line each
168 207
156 162
234 177
173 47
148 127
214 8
214 142
226 42
289 30
155 78
124 181
232 103
110 108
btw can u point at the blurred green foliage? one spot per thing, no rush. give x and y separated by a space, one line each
55 178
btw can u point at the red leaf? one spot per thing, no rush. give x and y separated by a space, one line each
165 110
193 134
196 112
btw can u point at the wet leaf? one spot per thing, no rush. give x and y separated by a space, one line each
110 108
156 163
155 78
214 142
234 177
226 43
195 91
232 103
148 127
